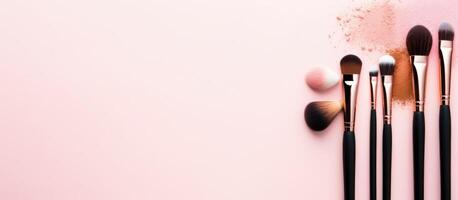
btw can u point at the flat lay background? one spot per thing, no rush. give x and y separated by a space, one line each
191 99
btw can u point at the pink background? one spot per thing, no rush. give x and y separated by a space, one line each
197 100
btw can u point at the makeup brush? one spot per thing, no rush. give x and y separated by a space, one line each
373 74
350 65
387 64
446 35
322 79
319 114
419 41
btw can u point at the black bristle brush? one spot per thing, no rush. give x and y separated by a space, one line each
446 36
319 114
373 75
419 41
350 66
387 64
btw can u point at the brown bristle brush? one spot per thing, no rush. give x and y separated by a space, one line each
319 114
419 41
446 36
350 65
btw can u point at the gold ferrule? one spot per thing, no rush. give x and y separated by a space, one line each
373 80
419 67
445 56
350 92
387 83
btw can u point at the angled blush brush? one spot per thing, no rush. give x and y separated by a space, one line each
350 66
319 114
446 36
387 64
419 42
373 74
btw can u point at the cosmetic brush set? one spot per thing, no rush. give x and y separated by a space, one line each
318 115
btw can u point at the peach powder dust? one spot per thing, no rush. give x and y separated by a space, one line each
372 27
402 83
369 27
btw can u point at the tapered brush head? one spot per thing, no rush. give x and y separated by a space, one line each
319 114
419 41
350 64
373 72
446 32
386 64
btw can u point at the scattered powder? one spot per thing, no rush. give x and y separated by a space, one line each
373 29
402 83
369 27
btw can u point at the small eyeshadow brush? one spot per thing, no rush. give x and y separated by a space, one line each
387 64
350 66
373 74
419 42
446 35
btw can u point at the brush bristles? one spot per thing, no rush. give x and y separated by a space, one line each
446 32
419 41
350 64
319 114
373 72
386 64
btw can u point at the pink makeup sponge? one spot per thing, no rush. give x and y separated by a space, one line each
321 79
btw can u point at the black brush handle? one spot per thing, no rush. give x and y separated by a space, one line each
349 150
387 142
445 151
418 154
373 155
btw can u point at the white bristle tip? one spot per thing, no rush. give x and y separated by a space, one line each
373 69
387 59
445 27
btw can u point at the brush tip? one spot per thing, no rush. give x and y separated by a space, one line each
386 64
446 32
350 64
319 114
373 71
419 41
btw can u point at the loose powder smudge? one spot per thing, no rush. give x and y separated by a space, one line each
369 27
402 83
372 27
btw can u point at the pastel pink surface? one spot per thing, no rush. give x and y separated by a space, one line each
197 100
